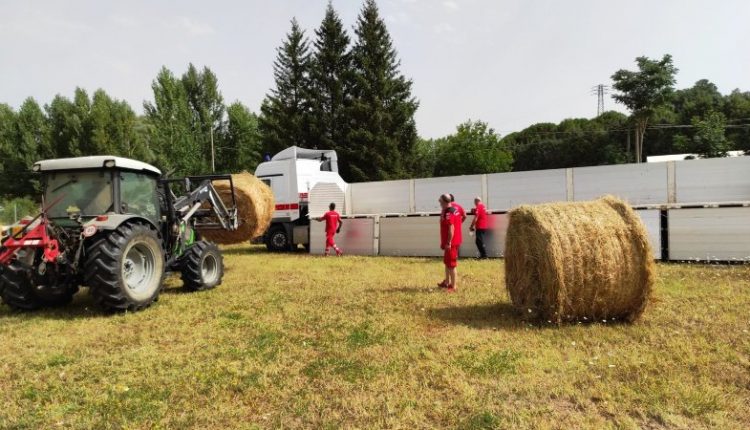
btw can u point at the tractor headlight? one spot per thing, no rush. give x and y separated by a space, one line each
109 163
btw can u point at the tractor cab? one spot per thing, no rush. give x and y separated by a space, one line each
82 188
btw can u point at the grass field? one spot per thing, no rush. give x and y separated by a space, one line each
306 342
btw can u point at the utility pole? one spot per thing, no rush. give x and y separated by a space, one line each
213 156
600 90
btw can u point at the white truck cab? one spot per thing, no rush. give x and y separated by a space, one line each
291 174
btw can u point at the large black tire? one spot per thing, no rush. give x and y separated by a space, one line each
201 266
125 267
277 240
18 292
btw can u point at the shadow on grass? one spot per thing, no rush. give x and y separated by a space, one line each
259 250
485 316
82 306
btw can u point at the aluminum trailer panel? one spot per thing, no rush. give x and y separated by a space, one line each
464 189
713 180
410 236
636 183
508 190
494 241
356 237
381 197
652 221
709 234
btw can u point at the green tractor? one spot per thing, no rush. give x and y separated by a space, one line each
116 226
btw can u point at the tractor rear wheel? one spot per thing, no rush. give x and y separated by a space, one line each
125 267
202 266
18 292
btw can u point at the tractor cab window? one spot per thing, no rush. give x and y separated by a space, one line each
87 193
138 195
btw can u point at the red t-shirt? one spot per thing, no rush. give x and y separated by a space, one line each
448 217
480 222
461 210
332 221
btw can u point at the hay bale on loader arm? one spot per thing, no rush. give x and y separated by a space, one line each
255 206
576 261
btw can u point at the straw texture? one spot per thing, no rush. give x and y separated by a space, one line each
577 261
255 206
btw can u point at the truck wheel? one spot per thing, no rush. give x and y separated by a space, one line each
202 266
124 268
278 240
18 292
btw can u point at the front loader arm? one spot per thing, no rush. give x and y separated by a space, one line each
207 207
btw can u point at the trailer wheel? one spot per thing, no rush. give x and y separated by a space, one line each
202 266
18 292
277 239
124 268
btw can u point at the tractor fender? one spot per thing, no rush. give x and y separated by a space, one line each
110 222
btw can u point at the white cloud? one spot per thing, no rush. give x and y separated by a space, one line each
450 4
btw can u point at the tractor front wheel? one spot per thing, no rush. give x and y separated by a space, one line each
202 266
19 293
125 267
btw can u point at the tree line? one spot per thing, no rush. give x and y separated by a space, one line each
348 94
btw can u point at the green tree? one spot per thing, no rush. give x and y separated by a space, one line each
381 109
331 67
67 124
285 112
697 101
7 144
240 147
31 139
709 140
113 129
207 107
475 148
644 91
169 125
425 158
737 111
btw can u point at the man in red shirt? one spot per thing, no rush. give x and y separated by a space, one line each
450 240
333 226
460 208
479 224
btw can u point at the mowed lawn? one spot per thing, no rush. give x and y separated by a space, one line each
295 341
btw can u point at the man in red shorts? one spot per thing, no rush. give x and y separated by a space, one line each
333 226
450 240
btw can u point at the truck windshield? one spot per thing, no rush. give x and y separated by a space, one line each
86 192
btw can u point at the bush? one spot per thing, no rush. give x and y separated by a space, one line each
13 209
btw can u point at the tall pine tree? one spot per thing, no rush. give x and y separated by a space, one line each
383 134
285 113
331 69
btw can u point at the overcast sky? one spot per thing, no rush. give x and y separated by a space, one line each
510 63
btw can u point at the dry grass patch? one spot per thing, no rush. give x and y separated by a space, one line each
300 341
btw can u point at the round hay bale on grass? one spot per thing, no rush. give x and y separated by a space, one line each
255 206
576 261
